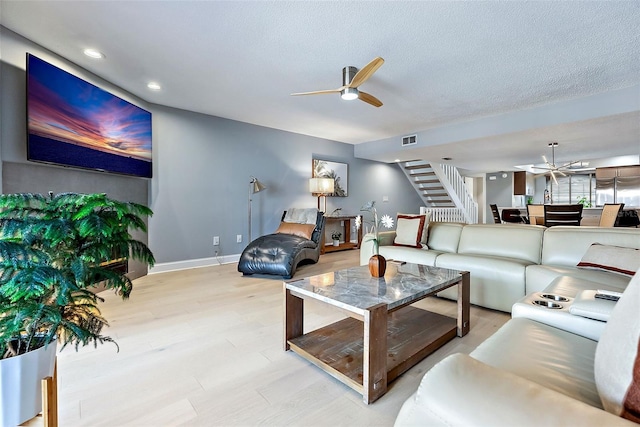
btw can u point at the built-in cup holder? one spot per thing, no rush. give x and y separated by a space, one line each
555 297
547 304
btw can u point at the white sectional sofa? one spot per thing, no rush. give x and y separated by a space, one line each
574 365
507 262
533 374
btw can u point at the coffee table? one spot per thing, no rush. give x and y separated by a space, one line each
383 336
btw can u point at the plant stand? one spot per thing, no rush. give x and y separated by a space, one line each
49 412
50 398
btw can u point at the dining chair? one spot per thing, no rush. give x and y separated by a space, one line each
535 214
512 216
609 214
562 215
496 214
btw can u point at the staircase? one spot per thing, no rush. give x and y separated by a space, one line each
443 191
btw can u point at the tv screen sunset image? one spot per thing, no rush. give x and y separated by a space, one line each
74 123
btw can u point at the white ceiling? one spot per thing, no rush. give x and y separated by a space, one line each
448 64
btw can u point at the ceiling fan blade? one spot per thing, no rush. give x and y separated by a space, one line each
554 178
566 165
319 92
365 72
369 99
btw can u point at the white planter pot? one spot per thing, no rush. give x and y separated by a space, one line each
20 384
336 243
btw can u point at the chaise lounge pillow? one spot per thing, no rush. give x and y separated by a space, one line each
301 215
409 231
617 259
302 230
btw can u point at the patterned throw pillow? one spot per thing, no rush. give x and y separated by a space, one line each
425 229
409 231
611 258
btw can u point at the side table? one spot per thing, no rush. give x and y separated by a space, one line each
336 222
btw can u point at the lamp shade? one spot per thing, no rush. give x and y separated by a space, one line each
257 186
321 185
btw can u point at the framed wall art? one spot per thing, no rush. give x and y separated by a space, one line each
336 170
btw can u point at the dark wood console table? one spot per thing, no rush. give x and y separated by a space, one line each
336 223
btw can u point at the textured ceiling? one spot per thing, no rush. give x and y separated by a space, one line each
446 63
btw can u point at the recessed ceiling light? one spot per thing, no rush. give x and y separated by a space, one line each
93 53
396 160
154 86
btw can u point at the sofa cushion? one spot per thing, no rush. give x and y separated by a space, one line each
413 255
493 397
539 277
570 286
495 282
551 357
566 245
502 240
409 231
617 259
444 236
617 361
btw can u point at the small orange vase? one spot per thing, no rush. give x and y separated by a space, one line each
377 265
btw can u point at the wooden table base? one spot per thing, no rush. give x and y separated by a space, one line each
368 357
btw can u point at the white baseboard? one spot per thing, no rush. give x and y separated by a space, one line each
193 263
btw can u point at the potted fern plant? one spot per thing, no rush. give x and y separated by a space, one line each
54 250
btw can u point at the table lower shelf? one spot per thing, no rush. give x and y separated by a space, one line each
412 334
342 247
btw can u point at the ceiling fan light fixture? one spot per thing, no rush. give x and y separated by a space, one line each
349 93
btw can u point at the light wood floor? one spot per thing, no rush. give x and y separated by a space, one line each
203 347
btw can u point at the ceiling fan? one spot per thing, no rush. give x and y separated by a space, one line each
352 78
551 166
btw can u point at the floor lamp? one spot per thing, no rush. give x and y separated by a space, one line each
255 186
321 187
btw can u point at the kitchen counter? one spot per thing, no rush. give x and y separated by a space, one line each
590 216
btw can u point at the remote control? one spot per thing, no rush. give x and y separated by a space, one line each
609 293
607 297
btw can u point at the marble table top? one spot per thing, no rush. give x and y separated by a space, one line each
355 290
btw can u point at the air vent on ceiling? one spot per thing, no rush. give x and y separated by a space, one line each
409 140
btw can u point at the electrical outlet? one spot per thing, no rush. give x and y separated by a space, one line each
239 238
216 240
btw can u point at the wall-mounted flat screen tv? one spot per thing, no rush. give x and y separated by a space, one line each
74 123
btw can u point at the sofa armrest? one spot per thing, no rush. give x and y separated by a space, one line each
587 305
366 247
462 391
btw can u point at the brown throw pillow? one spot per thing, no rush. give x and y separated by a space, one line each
302 230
